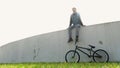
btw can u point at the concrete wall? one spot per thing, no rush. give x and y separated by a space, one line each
52 47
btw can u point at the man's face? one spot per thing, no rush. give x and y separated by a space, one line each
74 10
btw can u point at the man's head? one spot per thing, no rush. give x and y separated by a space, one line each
74 9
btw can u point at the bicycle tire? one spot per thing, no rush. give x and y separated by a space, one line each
71 53
100 55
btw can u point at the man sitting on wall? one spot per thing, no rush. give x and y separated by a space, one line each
75 22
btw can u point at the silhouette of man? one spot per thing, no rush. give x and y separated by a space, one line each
75 22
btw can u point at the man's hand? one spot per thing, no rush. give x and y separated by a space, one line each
84 25
68 28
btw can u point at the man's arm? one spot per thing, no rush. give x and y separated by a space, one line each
70 21
80 21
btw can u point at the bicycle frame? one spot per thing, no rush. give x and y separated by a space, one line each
89 49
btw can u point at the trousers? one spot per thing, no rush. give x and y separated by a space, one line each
77 27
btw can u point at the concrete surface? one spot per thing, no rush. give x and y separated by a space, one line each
52 47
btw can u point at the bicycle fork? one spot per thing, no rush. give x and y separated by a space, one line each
74 52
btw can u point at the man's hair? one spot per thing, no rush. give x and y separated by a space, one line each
74 8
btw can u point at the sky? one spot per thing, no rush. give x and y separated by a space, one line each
20 19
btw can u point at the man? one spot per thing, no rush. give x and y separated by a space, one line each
75 22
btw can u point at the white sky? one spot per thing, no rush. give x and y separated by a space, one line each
25 18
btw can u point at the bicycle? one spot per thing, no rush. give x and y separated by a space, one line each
99 55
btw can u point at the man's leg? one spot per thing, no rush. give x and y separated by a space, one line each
70 33
77 32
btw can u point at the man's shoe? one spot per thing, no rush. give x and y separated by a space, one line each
70 39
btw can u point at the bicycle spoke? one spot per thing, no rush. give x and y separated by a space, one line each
72 56
100 56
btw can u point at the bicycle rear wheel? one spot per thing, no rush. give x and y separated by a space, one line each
72 56
100 56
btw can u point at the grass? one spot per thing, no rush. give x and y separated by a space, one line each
61 65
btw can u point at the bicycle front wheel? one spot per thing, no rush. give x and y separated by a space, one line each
100 56
72 56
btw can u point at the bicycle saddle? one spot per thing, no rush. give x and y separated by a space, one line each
92 46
